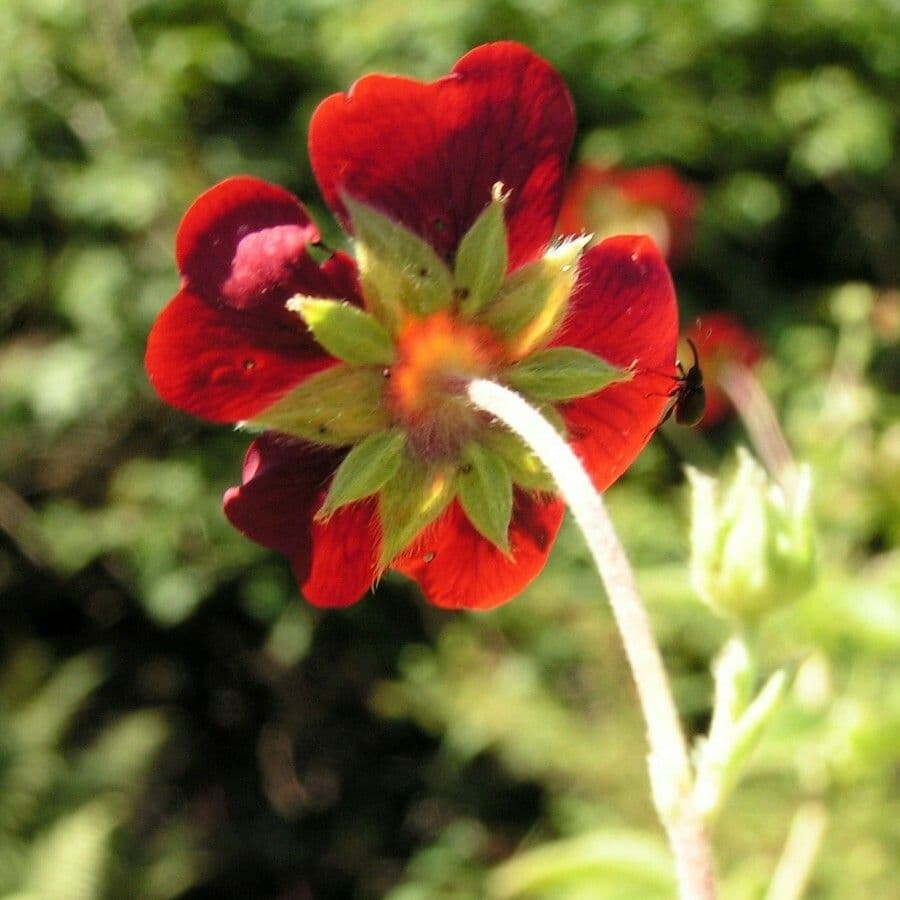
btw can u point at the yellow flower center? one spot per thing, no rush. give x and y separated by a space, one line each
436 357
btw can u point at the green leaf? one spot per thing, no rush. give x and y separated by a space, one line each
345 331
339 406
533 300
563 373
482 257
486 494
413 498
365 469
399 272
602 861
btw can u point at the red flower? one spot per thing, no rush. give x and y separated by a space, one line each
653 200
361 401
720 339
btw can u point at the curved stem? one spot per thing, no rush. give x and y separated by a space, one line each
758 416
671 776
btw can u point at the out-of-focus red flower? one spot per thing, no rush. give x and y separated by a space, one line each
654 200
720 339
451 191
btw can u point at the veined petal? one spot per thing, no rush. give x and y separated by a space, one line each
428 155
283 484
225 365
457 568
622 309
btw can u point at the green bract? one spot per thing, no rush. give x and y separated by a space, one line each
397 398
365 469
482 257
486 493
562 373
412 499
345 331
399 272
339 406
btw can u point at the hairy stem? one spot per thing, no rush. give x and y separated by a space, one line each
755 410
671 776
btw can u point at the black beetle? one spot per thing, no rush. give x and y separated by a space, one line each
688 395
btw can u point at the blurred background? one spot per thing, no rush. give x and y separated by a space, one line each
176 723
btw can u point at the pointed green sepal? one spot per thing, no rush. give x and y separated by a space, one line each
485 493
412 499
344 330
339 406
399 272
482 257
365 469
562 373
532 301
523 465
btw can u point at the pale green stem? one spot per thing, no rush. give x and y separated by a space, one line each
738 720
671 776
756 412
795 867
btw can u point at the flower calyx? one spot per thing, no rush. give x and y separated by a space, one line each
396 396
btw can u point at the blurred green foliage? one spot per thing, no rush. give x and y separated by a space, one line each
175 723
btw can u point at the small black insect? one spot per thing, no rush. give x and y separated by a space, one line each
688 395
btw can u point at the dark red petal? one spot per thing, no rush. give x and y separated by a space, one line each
283 484
428 154
458 569
243 243
622 309
225 365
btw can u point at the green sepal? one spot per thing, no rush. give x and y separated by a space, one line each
339 406
482 257
562 373
417 494
398 271
344 330
533 300
486 494
365 469
523 465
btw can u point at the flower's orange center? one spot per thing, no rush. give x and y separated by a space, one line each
436 358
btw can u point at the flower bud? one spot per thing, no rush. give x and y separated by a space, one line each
752 548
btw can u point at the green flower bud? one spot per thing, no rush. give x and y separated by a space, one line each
752 548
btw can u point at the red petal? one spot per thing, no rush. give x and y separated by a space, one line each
428 154
243 243
225 365
623 309
283 484
655 186
458 569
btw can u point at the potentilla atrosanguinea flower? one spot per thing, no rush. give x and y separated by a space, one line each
355 370
720 339
655 200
